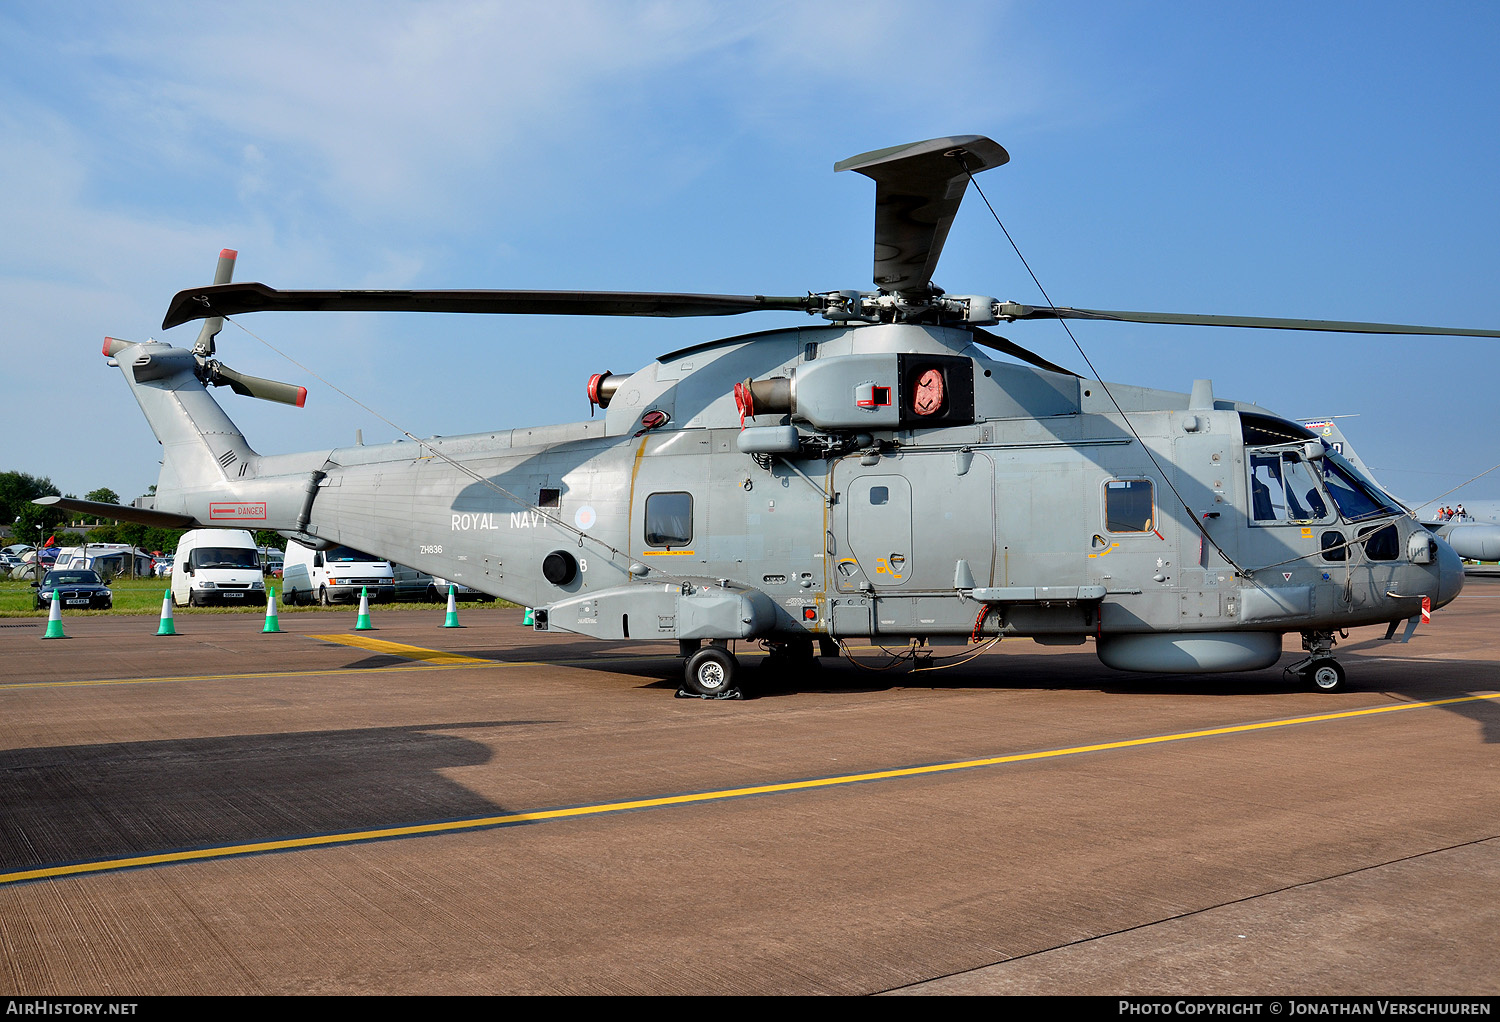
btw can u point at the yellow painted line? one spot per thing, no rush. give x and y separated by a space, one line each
539 816
251 676
431 656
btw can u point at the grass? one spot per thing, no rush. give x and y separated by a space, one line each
143 596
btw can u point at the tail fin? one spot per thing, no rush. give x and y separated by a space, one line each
209 475
1329 430
202 450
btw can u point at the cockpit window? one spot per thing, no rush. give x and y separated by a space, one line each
1358 498
1282 489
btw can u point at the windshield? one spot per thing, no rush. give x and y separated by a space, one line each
70 578
346 554
1357 496
223 557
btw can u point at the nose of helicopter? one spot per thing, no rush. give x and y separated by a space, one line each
1450 572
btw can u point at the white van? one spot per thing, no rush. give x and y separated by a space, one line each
335 575
412 584
217 566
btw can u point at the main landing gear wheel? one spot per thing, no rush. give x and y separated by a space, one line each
710 672
1326 675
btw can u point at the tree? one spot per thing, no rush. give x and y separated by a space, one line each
103 495
17 491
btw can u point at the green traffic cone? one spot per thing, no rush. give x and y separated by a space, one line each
166 627
527 620
273 624
452 621
54 619
362 623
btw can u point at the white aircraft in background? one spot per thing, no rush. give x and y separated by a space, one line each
1474 537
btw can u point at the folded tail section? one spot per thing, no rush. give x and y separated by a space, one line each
209 474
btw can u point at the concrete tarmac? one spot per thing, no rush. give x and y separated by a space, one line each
492 810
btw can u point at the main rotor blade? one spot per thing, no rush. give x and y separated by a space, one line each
918 188
1012 310
233 299
1013 349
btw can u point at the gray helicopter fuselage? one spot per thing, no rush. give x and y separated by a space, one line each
1025 505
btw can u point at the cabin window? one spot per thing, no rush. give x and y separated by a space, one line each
669 519
549 497
1334 547
880 495
1382 543
1129 505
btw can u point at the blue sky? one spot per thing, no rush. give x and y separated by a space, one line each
1334 161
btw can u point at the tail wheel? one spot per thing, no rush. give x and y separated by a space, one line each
710 671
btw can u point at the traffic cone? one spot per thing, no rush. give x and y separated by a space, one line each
527 619
272 623
452 621
54 619
166 627
362 623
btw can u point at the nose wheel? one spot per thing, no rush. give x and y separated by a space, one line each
1320 669
1326 674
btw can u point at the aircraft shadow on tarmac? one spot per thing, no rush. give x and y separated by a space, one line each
82 803
1372 678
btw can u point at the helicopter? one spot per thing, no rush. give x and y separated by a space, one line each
881 476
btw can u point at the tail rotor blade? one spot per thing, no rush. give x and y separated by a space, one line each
256 386
223 273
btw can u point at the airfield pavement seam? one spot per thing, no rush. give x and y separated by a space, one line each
1081 941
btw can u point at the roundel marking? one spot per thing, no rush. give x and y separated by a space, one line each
585 518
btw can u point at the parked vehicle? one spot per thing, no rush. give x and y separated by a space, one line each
412 584
77 588
335 575
110 560
217 566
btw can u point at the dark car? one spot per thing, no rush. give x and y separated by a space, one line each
78 588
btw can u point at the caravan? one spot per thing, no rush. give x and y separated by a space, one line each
110 560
